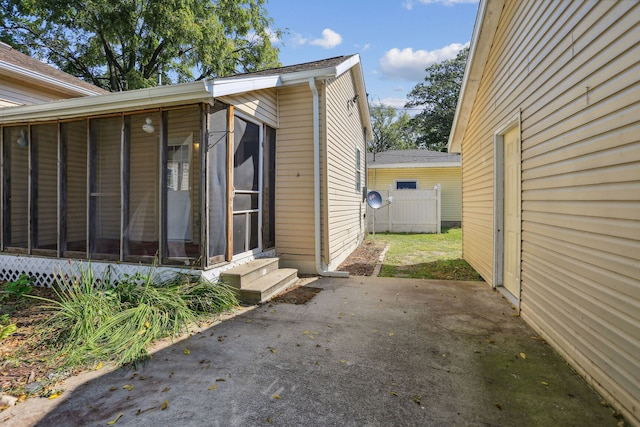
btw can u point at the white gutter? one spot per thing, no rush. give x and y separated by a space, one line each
414 165
316 185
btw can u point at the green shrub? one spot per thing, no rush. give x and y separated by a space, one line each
99 319
18 288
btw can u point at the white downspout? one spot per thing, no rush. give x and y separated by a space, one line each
316 185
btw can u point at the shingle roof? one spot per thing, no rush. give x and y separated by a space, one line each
307 66
16 58
409 157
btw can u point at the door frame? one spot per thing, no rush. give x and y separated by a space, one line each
260 125
515 121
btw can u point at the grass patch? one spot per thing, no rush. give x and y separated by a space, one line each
96 319
426 256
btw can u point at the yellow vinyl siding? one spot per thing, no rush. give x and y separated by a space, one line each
294 178
571 69
344 204
261 104
17 92
449 178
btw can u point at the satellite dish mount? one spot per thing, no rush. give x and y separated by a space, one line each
374 200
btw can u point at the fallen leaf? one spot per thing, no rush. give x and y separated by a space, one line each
269 420
99 366
491 341
273 350
305 333
54 396
147 324
164 405
113 388
166 389
276 396
393 393
249 321
186 351
391 334
544 383
213 387
220 379
115 420
22 397
343 361
499 406
524 356
128 387
417 398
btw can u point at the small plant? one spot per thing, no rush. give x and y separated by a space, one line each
6 327
100 319
18 288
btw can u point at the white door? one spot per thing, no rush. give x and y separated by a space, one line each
511 254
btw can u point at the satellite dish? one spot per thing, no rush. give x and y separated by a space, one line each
374 199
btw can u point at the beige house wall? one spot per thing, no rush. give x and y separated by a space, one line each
261 104
571 70
343 202
294 179
449 178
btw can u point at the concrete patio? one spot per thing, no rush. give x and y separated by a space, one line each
363 351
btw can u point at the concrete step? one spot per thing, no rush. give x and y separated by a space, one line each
267 286
242 275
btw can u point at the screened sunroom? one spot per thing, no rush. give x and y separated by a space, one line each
166 176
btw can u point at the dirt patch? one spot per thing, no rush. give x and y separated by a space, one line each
24 365
362 261
299 295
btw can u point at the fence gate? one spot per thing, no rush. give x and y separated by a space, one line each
412 211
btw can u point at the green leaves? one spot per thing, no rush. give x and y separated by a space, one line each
100 319
438 95
123 45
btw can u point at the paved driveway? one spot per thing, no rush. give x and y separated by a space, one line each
362 352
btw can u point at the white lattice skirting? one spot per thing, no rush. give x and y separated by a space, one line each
46 270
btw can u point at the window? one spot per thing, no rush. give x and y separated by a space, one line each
407 185
358 173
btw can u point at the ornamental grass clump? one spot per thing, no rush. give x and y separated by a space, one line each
99 319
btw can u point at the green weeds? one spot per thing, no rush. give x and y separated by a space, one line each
98 319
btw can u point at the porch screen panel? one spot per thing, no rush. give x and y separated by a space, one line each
269 189
45 140
141 229
105 187
246 160
74 141
183 187
17 169
217 156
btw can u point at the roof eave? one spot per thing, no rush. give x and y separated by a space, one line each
413 165
484 30
109 103
23 73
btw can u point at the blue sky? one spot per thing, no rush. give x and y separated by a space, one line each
396 39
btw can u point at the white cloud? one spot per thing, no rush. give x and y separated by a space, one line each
393 102
329 39
408 4
407 64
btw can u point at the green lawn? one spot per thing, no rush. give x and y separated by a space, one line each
426 256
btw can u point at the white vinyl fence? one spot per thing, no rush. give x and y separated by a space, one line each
412 211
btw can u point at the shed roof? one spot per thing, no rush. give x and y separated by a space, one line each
16 64
412 159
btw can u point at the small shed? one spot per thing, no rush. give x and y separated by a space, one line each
196 177
420 170
548 124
